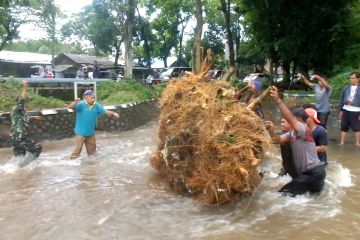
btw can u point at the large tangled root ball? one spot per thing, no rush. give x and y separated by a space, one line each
210 143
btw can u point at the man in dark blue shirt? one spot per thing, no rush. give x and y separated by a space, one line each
319 134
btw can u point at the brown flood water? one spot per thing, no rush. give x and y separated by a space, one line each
114 195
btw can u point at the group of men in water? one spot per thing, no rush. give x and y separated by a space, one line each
304 137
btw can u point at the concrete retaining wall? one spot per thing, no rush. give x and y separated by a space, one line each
59 123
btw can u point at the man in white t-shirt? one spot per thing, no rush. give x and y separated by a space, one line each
350 109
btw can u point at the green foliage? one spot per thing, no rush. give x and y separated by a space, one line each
338 82
126 91
38 102
250 54
43 46
13 14
309 34
11 89
108 93
237 84
226 138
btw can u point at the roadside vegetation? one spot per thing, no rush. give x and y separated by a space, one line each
107 93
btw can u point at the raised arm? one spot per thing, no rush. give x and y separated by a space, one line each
24 89
73 103
306 81
285 111
323 81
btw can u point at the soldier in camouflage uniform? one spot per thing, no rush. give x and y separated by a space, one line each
20 129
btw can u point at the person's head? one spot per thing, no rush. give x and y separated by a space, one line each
89 97
354 78
256 85
300 114
312 116
285 126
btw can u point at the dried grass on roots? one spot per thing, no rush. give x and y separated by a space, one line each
210 144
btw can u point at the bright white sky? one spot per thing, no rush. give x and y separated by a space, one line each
68 7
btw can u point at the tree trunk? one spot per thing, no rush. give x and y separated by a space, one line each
225 8
197 54
271 70
128 38
53 29
117 53
181 41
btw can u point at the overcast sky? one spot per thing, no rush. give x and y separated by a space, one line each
68 7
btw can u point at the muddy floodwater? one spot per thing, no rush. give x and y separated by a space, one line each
116 195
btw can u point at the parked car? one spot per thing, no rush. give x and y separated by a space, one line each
264 78
214 74
293 78
171 72
111 74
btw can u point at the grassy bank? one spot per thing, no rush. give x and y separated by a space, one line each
107 93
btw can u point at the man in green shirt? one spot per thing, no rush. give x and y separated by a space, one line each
20 134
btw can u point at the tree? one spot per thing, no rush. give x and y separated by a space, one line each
102 23
43 46
129 37
144 40
13 14
225 8
170 19
302 34
197 52
49 12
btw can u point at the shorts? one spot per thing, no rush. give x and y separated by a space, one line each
350 120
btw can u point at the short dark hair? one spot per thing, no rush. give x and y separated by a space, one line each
299 112
356 73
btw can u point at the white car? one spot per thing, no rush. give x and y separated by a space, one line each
264 78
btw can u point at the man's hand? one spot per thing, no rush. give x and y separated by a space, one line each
73 103
36 118
24 83
115 114
269 125
301 77
275 94
340 115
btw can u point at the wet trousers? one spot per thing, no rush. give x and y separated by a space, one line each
310 181
23 145
90 145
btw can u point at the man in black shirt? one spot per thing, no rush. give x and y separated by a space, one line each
318 132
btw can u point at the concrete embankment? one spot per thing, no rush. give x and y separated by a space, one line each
59 123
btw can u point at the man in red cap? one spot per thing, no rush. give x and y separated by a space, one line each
318 132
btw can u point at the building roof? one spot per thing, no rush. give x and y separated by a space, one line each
60 68
25 57
85 59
